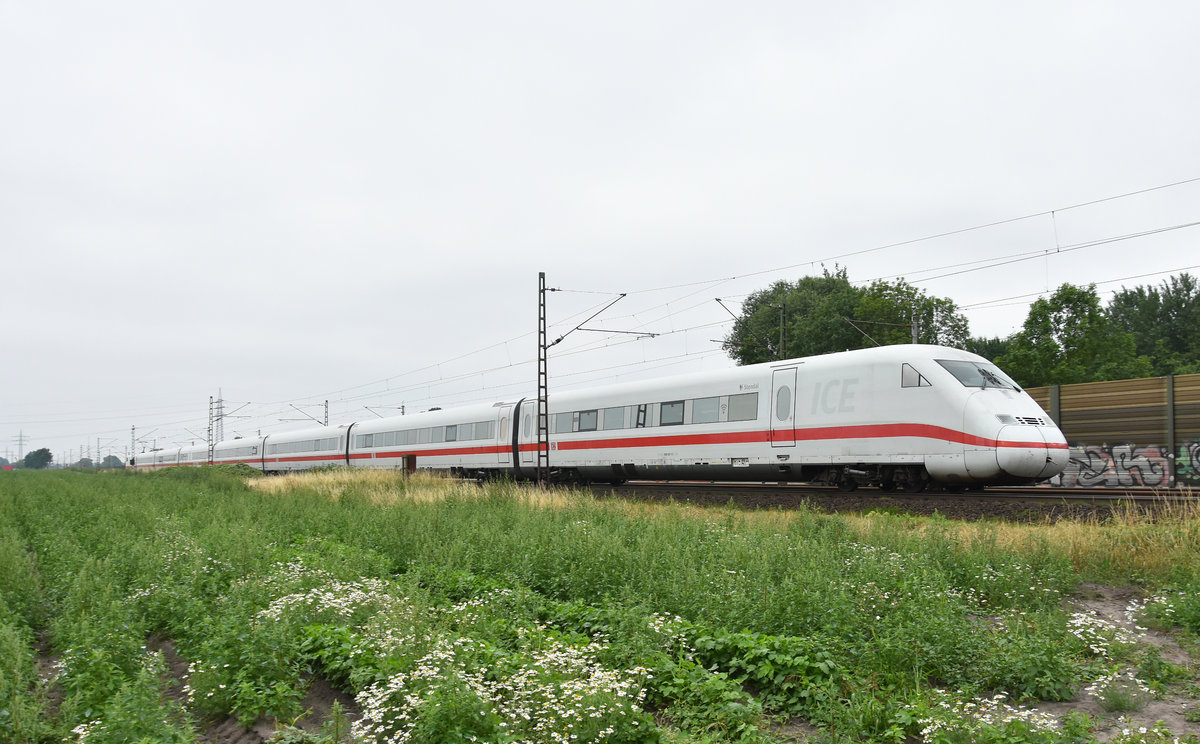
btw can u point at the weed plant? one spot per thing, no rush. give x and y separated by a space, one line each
22 710
510 614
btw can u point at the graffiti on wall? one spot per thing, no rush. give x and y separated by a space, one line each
1187 465
1130 466
1117 466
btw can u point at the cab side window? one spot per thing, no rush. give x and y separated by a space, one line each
910 377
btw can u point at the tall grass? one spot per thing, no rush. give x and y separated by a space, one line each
850 622
22 707
1129 545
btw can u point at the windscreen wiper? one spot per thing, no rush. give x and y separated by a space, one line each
989 376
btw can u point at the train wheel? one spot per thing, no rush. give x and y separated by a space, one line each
847 484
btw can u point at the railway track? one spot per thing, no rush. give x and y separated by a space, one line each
1007 504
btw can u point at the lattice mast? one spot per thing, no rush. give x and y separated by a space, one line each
543 415
211 443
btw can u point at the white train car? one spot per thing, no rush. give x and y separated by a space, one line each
193 455
304 449
895 417
247 451
156 459
463 439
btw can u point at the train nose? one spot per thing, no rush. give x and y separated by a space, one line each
1026 452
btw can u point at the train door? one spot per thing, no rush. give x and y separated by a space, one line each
504 435
783 407
528 437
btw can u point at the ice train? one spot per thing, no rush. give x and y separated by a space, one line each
896 417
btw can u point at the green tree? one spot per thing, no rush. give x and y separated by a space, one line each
989 348
112 461
810 317
810 312
38 459
4 461
1163 321
1068 338
890 308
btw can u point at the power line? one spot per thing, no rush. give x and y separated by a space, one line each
697 287
985 305
710 283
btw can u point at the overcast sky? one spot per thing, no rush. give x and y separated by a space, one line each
290 202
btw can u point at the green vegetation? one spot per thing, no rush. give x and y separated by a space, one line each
1067 337
810 316
506 614
38 459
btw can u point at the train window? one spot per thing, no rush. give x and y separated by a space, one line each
972 374
364 440
587 420
525 425
437 434
614 418
705 410
743 407
671 414
485 430
783 403
466 432
910 377
423 435
451 433
564 423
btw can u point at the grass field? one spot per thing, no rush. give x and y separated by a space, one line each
451 612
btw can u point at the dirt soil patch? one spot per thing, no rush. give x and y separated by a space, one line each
318 705
1173 709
